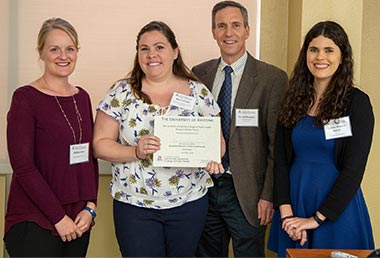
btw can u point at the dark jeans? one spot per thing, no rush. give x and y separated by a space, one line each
173 232
226 220
27 239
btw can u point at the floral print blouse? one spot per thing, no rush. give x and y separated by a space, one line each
138 182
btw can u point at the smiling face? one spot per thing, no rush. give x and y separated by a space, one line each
323 59
230 33
156 56
59 54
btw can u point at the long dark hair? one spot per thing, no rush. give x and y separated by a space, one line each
301 93
136 76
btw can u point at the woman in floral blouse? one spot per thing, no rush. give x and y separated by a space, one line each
158 211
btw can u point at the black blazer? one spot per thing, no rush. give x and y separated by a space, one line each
351 154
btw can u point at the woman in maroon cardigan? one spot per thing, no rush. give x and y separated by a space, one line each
53 192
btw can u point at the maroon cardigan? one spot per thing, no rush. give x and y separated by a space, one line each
44 186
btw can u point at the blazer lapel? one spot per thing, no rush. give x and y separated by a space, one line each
209 72
246 88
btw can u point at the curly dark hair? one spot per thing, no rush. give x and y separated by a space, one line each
301 94
136 76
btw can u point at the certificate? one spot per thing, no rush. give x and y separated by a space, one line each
187 141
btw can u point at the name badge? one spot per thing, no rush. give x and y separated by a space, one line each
182 101
79 153
247 117
338 128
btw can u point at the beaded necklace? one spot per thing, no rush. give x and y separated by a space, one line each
78 115
79 119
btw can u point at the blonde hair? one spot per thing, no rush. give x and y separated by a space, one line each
56 23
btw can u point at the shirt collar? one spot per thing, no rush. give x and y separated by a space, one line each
236 66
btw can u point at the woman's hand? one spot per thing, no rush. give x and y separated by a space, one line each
67 229
83 220
214 167
302 236
296 227
148 144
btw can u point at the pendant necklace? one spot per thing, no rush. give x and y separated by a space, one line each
78 115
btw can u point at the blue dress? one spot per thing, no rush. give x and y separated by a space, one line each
312 175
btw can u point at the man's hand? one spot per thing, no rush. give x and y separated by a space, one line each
265 212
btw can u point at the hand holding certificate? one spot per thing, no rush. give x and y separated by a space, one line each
187 141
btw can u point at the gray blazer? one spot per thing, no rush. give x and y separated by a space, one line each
251 148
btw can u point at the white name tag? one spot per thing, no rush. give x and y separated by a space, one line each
182 101
79 153
338 128
247 117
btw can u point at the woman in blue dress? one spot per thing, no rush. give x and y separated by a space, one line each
323 138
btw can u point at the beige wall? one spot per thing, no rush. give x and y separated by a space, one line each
295 31
4 28
370 78
4 16
108 40
107 34
274 32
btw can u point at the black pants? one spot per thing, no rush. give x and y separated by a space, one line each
27 239
225 221
174 232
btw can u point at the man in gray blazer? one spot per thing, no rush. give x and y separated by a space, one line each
240 203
